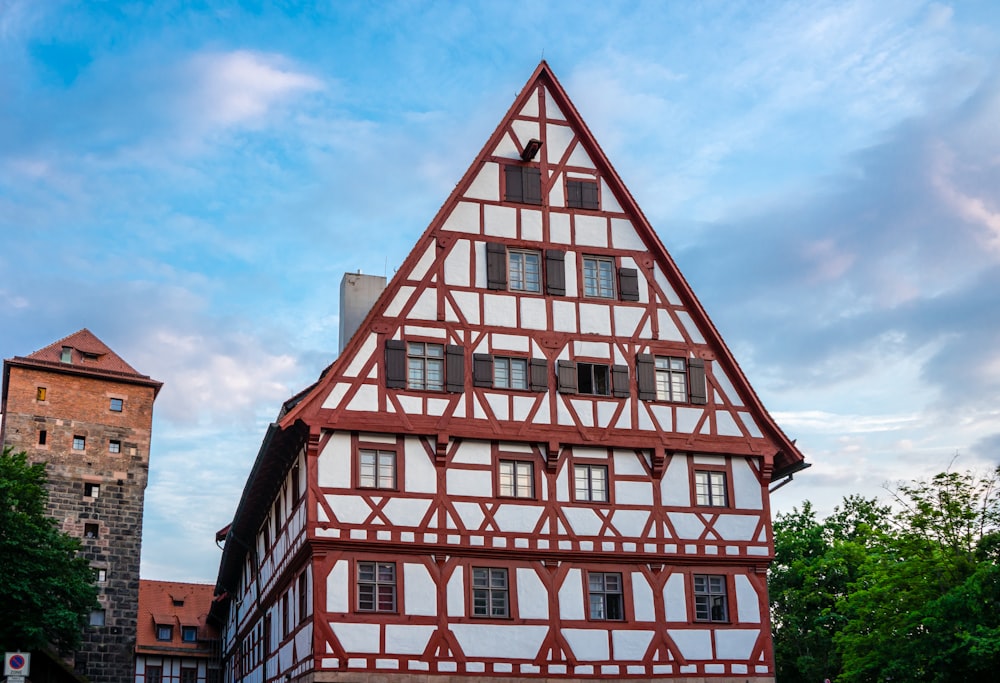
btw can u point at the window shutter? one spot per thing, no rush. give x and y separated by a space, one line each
619 381
395 364
628 284
698 387
588 196
532 185
555 272
645 372
482 370
496 265
513 184
567 377
455 368
539 374
573 193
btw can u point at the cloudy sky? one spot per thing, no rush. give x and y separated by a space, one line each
191 184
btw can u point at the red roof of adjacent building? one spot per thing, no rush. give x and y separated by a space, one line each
174 604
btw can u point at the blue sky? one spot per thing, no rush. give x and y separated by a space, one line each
191 180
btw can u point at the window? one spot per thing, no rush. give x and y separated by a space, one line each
591 483
284 615
189 634
582 194
593 378
671 379
114 446
79 442
605 591
92 490
710 488
154 674
524 270
376 586
90 531
100 575
42 437
67 355
40 393
303 597
277 514
522 184
517 479
189 675
598 277
425 366
164 632
296 486
116 405
377 469
710 602
510 373
490 592
97 617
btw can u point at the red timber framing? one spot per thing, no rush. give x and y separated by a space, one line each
536 458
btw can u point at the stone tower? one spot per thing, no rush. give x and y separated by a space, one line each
80 408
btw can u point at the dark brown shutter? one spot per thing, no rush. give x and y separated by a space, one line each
482 370
574 198
588 196
496 265
628 284
697 386
539 374
567 376
645 374
395 364
555 272
619 381
454 368
532 185
513 184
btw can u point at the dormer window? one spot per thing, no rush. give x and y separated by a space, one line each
67 355
164 632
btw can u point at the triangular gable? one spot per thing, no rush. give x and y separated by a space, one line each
442 294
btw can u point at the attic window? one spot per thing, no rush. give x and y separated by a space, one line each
40 393
164 632
67 355
88 356
116 405
582 194
178 602
522 184
189 634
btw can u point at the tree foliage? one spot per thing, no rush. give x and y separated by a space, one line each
907 591
46 588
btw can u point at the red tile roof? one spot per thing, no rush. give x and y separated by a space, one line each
174 604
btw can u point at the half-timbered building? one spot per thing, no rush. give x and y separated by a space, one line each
535 458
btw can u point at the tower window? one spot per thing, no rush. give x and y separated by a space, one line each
92 490
114 446
90 530
116 405
79 442
67 355
40 393
42 437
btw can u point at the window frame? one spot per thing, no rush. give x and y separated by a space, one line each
188 630
671 374
590 468
520 283
79 442
117 405
589 371
189 674
509 362
599 292
376 582
710 472
162 629
379 450
91 489
91 527
98 617
488 590
150 669
114 446
516 464
605 592
705 597
412 356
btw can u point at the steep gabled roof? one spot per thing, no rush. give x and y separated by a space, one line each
158 606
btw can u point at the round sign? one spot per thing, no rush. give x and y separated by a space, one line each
16 662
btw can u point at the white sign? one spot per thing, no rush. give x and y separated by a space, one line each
16 665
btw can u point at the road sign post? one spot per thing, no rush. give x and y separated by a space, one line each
16 665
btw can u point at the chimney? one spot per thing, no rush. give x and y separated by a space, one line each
358 293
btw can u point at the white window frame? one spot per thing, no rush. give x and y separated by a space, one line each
376 468
425 366
599 277
590 483
516 479
524 270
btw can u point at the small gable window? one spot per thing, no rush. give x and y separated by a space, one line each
524 270
67 355
594 379
522 184
520 270
671 378
189 634
498 372
582 194
424 366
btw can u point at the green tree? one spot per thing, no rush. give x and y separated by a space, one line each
46 588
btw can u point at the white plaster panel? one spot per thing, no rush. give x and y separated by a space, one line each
426 306
751 425
515 447
735 643
630 522
747 605
557 139
337 588
606 412
406 511
628 463
609 203
563 414
624 420
522 407
579 157
456 594
594 453
594 318
572 288
471 514
727 387
334 467
530 107
456 264
424 263
526 130
634 492
631 646
705 459
357 637
509 342
463 218
499 405
668 329
691 328
591 231
562 485
421 477
556 195
507 149
349 509
693 644
501 642
588 644
664 415
405 639
473 453
533 314
686 525
420 330
584 410
571 596
470 483
668 290
725 425
627 319
361 357
421 592
584 521
500 221
642 598
468 305
592 349
479 259
499 309
747 490
623 233
559 233
687 419
531 225
487 183
542 416
552 110
564 315
411 405
517 518
645 420
398 301
532 597
737 527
